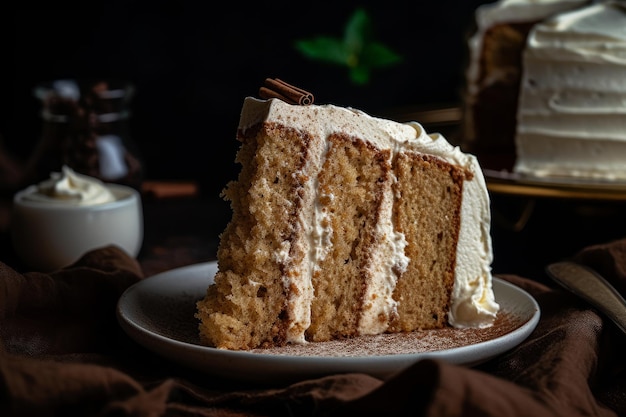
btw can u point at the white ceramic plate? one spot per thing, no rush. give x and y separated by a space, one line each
158 313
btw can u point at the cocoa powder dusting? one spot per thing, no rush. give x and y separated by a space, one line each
402 343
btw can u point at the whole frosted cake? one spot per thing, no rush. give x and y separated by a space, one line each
345 225
571 120
546 87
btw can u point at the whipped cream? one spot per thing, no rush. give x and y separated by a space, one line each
572 107
70 188
473 303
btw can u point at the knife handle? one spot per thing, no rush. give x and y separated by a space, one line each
591 287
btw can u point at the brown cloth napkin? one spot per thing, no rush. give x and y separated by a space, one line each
62 352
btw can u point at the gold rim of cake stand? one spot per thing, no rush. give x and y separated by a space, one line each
582 192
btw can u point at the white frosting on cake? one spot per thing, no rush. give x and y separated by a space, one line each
473 302
508 11
572 107
521 10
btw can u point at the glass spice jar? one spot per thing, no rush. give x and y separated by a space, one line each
85 125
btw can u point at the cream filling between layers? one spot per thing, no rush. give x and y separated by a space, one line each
386 266
317 240
312 247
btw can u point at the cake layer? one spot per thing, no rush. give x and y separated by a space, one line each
428 212
345 224
257 260
354 183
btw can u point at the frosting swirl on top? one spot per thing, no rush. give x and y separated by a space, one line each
70 188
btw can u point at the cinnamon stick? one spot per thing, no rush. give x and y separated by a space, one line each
276 88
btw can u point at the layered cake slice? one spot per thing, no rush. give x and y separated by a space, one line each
345 225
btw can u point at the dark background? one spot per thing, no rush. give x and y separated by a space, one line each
193 62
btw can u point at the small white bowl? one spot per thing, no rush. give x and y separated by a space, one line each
47 236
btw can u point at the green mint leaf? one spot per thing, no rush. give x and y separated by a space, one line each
324 48
358 31
357 51
377 55
360 75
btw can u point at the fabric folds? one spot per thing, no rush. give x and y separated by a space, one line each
62 352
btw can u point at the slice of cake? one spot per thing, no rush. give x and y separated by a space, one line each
571 118
345 225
